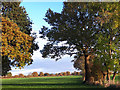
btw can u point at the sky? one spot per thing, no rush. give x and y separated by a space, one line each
36 11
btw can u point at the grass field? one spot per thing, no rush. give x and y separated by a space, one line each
46 82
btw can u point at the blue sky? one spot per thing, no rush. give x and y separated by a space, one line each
36 12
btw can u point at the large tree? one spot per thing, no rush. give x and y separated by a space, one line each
15 45
18 15
108 47
73 32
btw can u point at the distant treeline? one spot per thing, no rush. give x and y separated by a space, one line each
41 74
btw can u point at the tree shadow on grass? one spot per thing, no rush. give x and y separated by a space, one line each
40 84
76 81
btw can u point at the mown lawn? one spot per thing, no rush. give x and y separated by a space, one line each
46 82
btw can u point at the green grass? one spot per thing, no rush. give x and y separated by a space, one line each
46 82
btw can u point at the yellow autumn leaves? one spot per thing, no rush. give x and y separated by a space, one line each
15 44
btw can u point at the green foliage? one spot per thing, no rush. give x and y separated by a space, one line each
97 70
75 28
84 29
69 28
9 74
108 38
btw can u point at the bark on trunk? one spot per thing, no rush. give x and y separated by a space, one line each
87 68
108 75
84 75
104 77
114 74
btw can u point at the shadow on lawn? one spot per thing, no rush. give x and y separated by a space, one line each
76 81
38 84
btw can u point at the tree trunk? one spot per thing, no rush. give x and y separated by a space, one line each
113 78
83 75
104 77
87 68
108 75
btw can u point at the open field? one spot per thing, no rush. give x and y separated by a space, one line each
46 82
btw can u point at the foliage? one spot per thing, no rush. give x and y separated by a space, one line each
79 63
41 74
77 73
21 75
72 32
97 71
16 76
68 73
56 74
46 74
60 74
15 44
64 73
18 15
9 74
52 74
108 47
35 74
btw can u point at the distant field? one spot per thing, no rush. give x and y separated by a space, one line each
46 82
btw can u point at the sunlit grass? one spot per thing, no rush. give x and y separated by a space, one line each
46 82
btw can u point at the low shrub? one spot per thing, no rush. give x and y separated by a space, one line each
68 73
9 74
35 74
41 74
74 72
64 74
56 74
16 76
29 75
21 75
46 74
25 76
60 74
77 73
52 75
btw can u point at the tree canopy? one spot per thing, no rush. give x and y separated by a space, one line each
18 15
78 30
15 44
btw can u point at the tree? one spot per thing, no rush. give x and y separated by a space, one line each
9 74
108 41
15 44
5 65
18 15
73 32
